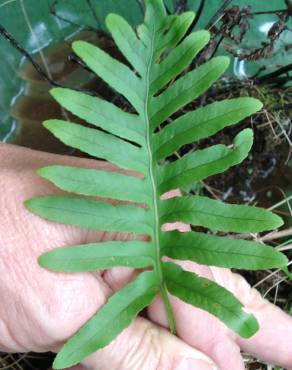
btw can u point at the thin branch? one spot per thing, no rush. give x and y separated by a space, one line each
198 15
270 12
4 33
289 7
73 58
218 15
90 6
7 2
277 235
217 46
273 75
17 46
54 12
141 6
43 59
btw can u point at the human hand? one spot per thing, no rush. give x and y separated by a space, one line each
39 310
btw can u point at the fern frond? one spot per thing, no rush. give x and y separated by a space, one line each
156 86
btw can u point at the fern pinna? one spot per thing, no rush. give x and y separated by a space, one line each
158 52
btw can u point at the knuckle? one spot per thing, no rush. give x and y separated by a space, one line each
67 304
145 352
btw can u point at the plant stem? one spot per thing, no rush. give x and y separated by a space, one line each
168 309
156 198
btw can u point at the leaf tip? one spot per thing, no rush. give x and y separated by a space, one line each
29 204
246 137
42 171
190 16
59 364
42 260
206 35
78 46
258 105
55 92
250 326
278 221
225 61
111 20
50 124
283 260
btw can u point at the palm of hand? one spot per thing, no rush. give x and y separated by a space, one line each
39 310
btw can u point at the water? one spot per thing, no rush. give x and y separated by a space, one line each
33 103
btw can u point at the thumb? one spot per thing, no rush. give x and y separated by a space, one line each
144 346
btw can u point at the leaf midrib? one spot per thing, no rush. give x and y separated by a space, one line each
229 252
153 182
206 164
117 76
212 215
182 134
112 320
150 155
205 297
87 213
174 97
133 129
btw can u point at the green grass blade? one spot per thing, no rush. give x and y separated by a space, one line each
110 320
101 113
115 73
186 89
99 144
202 123
90 214
179 59
211 297
97 183
204 163
216 215
127 41
222 252
99 256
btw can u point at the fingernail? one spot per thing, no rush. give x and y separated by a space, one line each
194 364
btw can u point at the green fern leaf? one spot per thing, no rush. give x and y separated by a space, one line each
99 183
99 256
222 252
91 214
156 86
209 296
110 320
102 114
204 163
216 215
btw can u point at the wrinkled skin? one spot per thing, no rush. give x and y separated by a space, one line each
39 310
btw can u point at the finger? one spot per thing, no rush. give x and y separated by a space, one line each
20 182
275 325
226 353
202 331
117 277
55 305
22 158
275 329
144 346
